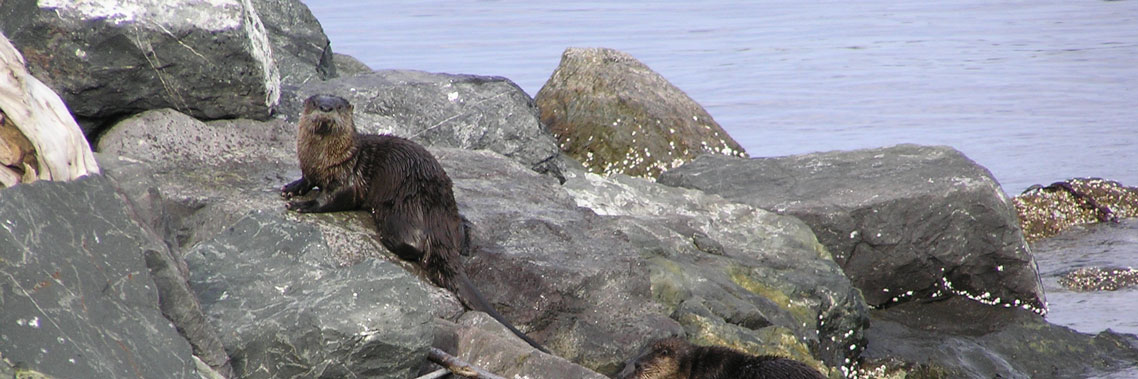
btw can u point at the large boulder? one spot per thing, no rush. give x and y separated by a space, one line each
906 223
78 299
300 49
993 343
464 111
615 115
594 287
38 137
111 58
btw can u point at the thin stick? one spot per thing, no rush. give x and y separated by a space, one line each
435 374
458 366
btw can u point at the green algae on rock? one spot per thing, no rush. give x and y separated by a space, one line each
615 115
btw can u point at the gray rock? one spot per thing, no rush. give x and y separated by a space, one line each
1005 343
287 309
615 115
594 288
301 50
109 58
78 300
905 222
734 271
464 111
482 341
347 65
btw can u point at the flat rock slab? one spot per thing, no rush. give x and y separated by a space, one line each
905 222
111 58
78 300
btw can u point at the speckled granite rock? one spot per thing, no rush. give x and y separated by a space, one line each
78 299
615 115
1047 211
207 59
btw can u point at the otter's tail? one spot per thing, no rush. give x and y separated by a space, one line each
470 295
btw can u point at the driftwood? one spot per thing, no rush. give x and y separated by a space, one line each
40 140
457 366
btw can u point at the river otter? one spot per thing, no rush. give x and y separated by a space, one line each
403 186
675 358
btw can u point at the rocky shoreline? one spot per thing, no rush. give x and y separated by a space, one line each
175 257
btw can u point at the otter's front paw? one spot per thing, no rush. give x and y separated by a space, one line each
298 187
302 206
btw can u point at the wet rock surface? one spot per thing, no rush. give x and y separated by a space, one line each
78 299
208 59
905 222
615 115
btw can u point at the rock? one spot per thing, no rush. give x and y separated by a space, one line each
288 309
1047 211
78 300
464 111
905 222
38 138
300 49
112 58
479 339
730 272
347 65
604 285
615 115
1023 346
1100 278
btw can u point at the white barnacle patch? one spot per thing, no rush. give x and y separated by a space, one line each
452 96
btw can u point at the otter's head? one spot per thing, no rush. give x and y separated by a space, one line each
327 115
660 359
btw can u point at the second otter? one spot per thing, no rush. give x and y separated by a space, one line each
675 358
404 187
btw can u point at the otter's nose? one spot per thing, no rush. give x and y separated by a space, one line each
326 107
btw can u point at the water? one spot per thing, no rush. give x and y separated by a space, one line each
1036 91
1095 245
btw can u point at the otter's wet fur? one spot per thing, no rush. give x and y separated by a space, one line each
676 358
404 187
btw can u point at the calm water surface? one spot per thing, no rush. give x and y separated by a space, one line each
1036 91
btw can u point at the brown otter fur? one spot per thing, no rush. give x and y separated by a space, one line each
675 358
407 191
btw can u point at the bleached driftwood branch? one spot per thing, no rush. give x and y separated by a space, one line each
61 151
